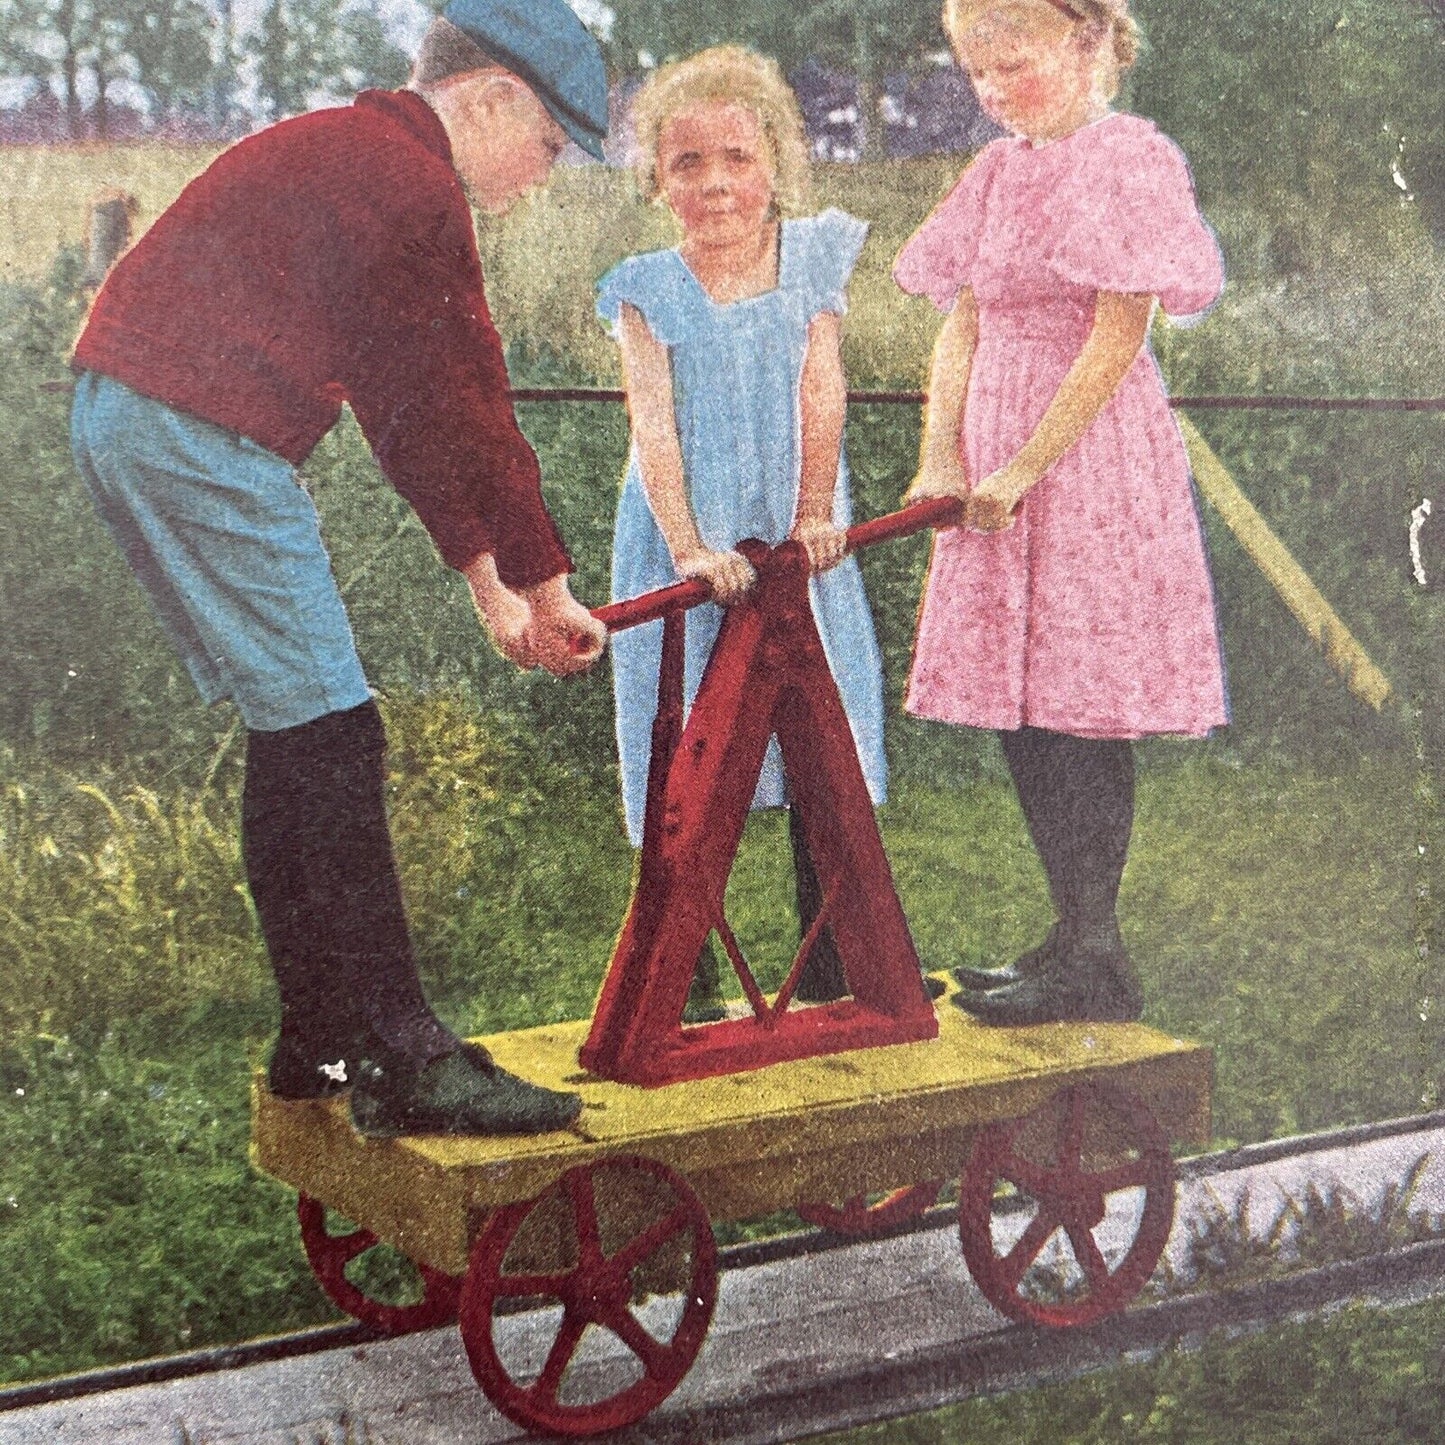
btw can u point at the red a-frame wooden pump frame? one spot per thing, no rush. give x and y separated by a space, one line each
767 676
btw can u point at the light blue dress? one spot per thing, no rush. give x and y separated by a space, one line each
736 374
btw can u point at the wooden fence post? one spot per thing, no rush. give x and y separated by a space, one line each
108 233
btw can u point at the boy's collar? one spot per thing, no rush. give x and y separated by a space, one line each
411 110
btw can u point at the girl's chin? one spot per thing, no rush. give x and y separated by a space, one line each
1028 125
1010 117
724 233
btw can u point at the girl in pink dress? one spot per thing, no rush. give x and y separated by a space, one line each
1073 611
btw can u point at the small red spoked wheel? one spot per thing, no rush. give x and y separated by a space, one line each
1092 1156
330 1254
863 1215
620 1257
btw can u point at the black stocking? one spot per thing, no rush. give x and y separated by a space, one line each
319 860
1077 796
822 976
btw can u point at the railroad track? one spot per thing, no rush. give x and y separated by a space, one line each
811 1333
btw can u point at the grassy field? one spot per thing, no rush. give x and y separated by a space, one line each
1272 896
47 192
1371 315
1269 911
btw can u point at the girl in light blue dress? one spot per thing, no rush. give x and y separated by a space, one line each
736 393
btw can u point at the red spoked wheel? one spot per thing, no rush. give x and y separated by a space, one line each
1093 1176
863 1215
331 1255
620 1258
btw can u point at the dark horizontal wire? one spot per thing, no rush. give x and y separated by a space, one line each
1190 403
916 398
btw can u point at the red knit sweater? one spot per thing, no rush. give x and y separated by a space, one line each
332 258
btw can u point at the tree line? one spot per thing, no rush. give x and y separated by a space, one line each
187 57
1268 96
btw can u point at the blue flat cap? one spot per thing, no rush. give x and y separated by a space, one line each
544 43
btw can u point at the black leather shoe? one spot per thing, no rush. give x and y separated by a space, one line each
1089 980
455 1095
1026 965
302 1071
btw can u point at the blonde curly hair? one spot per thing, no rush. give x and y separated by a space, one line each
736 76
1111 17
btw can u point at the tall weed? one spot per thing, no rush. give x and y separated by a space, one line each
116 901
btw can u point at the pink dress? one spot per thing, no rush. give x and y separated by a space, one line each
1094 613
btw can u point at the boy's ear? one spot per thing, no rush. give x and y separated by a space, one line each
499 91
484 92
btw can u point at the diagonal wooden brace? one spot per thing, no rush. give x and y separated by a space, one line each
767 675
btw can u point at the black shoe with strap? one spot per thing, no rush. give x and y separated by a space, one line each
1089 980
319 1069
462 1092
1033 961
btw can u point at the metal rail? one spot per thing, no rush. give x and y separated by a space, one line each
61 385
1047 1351
1023 1357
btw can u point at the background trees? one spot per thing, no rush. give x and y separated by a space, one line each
1302 105
183 59
1276 98
303 48
867 38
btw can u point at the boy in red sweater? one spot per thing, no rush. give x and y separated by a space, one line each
329 259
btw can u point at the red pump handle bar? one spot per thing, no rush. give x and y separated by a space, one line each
618 616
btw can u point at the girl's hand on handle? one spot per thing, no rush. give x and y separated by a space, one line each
939 478
565 636
825 544
1119 333
991 505
729 575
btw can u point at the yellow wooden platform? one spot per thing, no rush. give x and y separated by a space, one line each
811 1130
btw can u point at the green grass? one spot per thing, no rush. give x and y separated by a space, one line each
130 1223
1358 1377
1270 900
1270 910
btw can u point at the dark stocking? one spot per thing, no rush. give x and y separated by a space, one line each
1077 796
319 859
822 977
271 844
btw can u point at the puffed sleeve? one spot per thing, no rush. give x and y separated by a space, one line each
1132 224
828 250
655 283
937 261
